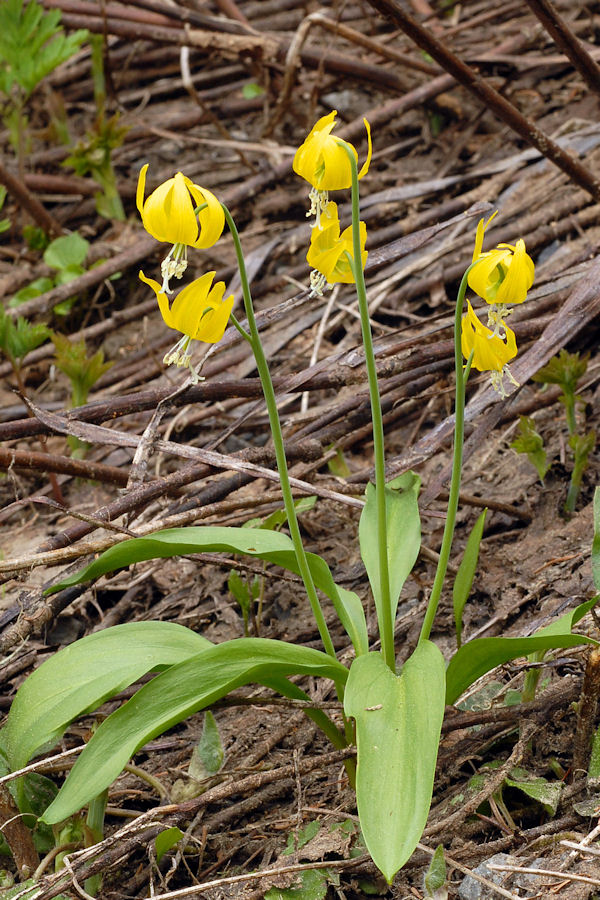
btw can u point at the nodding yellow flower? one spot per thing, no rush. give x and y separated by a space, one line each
169 213
491 353
328 251
503 275
198 312
323 162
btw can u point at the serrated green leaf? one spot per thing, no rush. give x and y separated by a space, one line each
297 840
398 725
466 572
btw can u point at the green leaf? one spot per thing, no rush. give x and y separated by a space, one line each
479 656
33 289
80 677
531 443
313 886
466 572
69 250
435 877
271 546
297 840
545 792
398 725
207 757
171 697
166 840
252 90
403 536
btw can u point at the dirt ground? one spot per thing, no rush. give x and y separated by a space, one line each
229 111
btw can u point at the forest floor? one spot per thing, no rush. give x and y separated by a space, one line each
229 112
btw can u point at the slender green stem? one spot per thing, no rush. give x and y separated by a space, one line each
271 402
459 428
386 624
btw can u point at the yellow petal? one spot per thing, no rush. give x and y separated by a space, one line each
323 161
190 303
141 187
163 301
490 352
519 277
211 219
483 278
367 162
479 235
214 322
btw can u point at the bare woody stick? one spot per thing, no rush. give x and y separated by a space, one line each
562 35
28 201
474 83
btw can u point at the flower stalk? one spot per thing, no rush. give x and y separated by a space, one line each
386 626
271 403
459 434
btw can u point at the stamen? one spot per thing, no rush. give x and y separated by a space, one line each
319 201
173 265
318 283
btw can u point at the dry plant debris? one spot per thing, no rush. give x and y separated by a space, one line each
473 106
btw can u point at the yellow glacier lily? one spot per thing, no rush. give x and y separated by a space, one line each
328 250
323 162
168 214
503 275
491 353
198 312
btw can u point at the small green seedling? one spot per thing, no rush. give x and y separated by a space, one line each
17 339
66 255
531 442
565 370
83 372
32 45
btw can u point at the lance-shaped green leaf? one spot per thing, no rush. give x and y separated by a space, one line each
466 572
272 546
403 536
398 725
479 656
80 677
174 695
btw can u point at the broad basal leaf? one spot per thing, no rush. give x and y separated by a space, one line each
174 695
80 677
271 546
398 724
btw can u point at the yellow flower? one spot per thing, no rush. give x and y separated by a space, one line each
169 214
198 311
503 275
323 162
491 353
328 250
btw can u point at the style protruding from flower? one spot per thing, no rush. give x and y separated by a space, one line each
199 312
329 250
491 353
181 213
323 161
503 275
